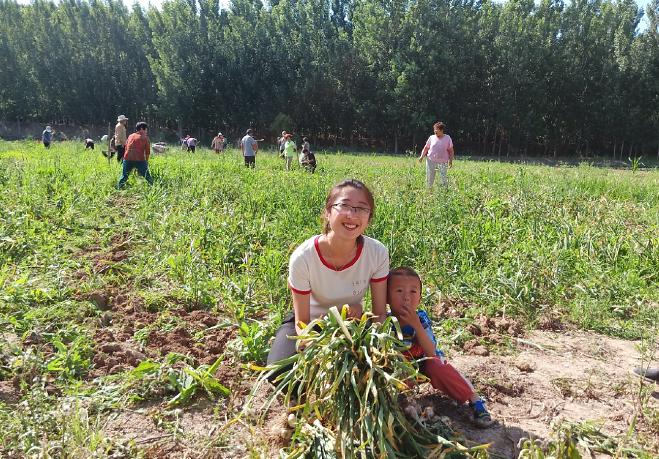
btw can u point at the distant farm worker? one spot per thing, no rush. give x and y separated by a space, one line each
249 146
439 152
120 137
218 143
404 297
308 161
138 150
336 267
47 136
281 142
305 144
89 144
290 150
191 142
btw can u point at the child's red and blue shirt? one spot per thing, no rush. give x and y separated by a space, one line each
415 350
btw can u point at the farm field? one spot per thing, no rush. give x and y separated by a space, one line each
127 317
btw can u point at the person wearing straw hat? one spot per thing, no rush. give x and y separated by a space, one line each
47 136
120 137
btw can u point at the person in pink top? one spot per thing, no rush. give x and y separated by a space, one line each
439 153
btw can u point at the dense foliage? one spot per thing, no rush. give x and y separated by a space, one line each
547 77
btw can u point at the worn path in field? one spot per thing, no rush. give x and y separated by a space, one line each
569 375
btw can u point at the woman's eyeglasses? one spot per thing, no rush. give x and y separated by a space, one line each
347 208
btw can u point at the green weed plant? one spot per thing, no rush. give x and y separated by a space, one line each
578 244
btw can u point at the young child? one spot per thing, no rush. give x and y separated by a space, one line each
404 296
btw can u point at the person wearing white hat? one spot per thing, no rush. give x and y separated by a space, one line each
218 143
120 136
47 136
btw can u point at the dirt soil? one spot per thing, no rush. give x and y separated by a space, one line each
568 375
528 380
117 348
549 376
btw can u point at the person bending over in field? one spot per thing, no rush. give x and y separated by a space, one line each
89 144
307 158
404 296
47 136
192 144
439 154
336 267
138 150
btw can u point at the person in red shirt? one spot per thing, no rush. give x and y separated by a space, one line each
136 156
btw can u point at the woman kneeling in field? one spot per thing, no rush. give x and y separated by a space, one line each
336 267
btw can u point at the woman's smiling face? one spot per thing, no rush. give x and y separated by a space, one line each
349 214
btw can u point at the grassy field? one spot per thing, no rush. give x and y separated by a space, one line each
83 266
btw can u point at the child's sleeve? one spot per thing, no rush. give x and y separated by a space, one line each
426 323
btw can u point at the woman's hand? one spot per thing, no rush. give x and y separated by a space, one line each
355 311
302 344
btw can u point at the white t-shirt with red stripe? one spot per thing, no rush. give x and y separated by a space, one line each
310 273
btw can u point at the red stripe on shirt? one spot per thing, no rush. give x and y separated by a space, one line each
379 279
301 292
360 247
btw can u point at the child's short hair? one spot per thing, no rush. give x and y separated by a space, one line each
405 271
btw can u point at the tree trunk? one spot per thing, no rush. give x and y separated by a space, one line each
494 140
501 132
396 141
622 149
487 131
615 144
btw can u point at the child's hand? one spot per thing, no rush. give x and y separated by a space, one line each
409 316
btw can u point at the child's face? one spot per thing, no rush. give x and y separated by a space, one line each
403 294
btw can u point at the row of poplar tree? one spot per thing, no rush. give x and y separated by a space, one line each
550 77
